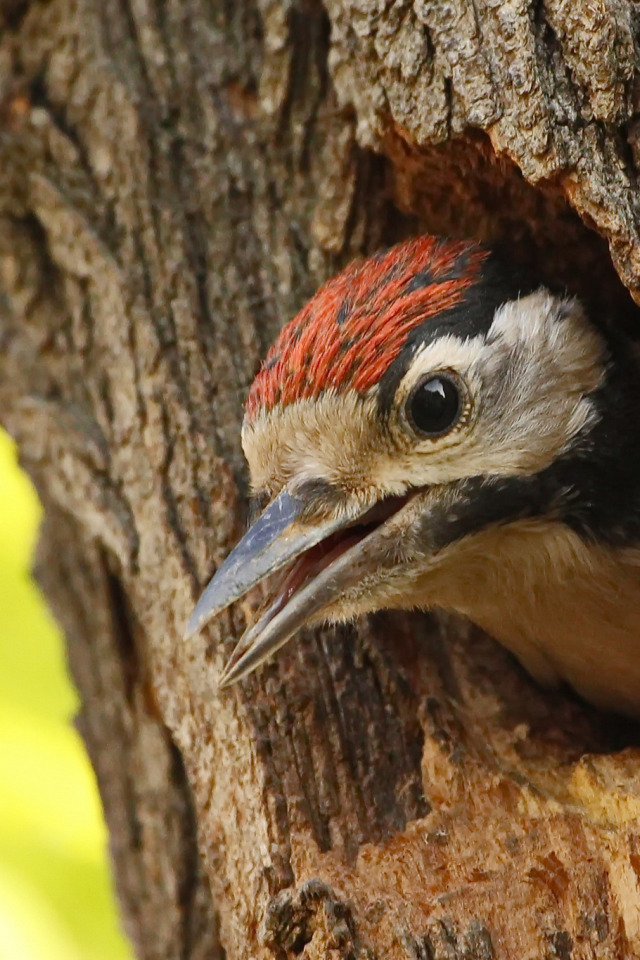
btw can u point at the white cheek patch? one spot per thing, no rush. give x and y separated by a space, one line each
541 362
528 381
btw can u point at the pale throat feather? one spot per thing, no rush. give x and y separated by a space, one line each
557 602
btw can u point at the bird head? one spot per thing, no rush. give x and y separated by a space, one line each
423 396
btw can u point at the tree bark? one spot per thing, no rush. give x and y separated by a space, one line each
177 179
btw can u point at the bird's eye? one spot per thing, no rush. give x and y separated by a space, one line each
434 406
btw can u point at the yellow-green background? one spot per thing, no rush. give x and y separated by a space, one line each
56 901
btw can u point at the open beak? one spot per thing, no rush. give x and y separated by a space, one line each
318 560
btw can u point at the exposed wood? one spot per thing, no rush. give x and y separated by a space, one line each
177 179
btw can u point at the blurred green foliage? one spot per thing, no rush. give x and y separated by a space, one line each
56 901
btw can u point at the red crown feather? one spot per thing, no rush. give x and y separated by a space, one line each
355 326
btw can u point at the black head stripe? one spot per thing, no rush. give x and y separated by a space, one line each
600 474
499 283
482 502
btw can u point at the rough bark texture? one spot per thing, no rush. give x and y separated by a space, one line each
177 178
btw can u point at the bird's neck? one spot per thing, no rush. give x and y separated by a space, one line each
569 610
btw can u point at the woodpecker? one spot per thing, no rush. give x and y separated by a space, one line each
435 431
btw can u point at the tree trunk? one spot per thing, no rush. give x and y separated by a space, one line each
178 177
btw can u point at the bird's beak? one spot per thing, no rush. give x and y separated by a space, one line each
322 559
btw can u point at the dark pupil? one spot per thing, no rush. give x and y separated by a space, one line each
434 406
